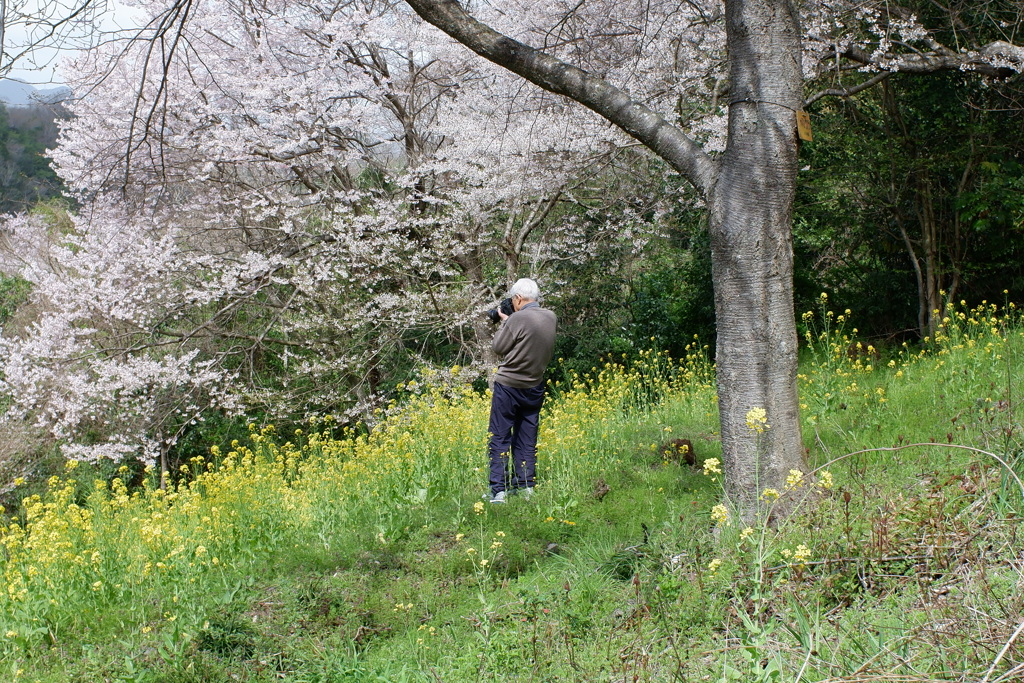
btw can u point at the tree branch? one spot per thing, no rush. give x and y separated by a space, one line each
998 59
846 92
558 77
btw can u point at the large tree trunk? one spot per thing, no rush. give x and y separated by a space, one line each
752 251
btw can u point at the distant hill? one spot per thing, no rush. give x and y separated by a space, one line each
17 94
28 127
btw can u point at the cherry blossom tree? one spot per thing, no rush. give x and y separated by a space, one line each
280 204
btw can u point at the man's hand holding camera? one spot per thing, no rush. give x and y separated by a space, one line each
506 308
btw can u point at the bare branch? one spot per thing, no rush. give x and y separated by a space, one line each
30 32
847 92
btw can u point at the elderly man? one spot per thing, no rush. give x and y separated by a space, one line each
525 341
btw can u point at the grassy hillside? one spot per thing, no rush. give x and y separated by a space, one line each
328 555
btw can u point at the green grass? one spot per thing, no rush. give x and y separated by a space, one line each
366 558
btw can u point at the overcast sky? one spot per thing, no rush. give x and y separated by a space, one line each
41 69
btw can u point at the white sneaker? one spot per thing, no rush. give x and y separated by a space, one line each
498 497
526 493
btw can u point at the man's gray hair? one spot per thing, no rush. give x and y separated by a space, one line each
525 288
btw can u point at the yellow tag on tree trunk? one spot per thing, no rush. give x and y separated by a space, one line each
803 125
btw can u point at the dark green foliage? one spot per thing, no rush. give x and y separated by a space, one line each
673 300
658 298
626 563
923 164
213 428
14 292
590 321
25 174
993 212
228 634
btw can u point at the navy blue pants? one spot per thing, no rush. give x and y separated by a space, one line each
515 414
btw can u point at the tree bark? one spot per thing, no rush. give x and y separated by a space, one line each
922 306
752 251
930 254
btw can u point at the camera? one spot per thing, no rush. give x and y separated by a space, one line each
505 307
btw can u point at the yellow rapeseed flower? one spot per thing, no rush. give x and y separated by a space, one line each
712 466
757 420
825 480
801 555
720 515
